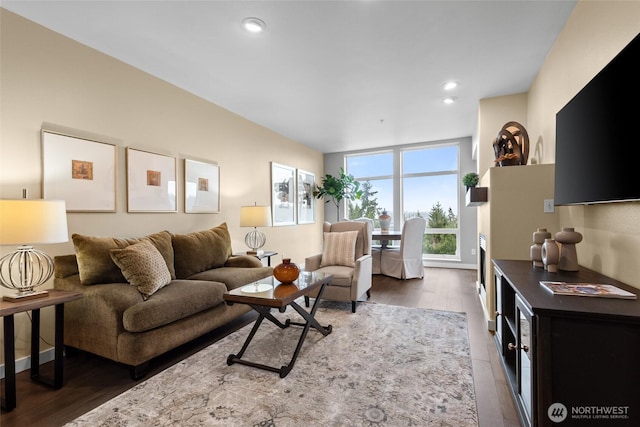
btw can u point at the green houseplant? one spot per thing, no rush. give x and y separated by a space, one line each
470 179
336 188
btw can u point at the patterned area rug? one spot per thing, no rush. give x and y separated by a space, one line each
382 366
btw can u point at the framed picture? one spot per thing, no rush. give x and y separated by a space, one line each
283 194
306 201
201 187
79 171
151 182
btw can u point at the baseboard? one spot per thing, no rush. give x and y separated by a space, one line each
491 324
449 264
25 363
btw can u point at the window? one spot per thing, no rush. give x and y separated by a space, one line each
375 173
419 181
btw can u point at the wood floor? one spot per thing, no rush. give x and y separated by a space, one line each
91 381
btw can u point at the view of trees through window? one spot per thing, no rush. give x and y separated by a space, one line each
425 181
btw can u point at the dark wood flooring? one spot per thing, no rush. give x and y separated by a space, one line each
91 380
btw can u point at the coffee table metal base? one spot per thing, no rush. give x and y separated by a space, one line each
265 312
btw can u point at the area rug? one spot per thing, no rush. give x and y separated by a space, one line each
382 366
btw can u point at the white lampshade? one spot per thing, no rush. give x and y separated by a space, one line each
27 222
255 216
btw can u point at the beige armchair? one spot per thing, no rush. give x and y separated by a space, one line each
347 255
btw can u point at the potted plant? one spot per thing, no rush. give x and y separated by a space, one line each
470 179
336 188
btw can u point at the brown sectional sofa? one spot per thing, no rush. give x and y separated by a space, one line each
160 305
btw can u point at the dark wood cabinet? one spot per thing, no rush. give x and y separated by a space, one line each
569 360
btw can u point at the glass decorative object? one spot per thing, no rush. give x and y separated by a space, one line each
286 272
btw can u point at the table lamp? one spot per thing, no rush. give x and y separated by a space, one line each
255 216
27 222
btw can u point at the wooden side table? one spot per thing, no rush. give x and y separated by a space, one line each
57 298
265 254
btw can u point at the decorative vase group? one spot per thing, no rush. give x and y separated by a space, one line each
385 221
286 272
555 254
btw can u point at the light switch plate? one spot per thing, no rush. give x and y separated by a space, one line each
548 206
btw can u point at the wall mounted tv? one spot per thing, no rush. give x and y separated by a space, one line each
598 136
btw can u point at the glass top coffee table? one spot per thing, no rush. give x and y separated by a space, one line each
269 293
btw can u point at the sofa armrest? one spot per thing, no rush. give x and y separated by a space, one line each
312 263
244 261
94 322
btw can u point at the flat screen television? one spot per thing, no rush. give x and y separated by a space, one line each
598 136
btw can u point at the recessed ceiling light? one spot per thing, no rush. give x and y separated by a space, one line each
450 85
254 25
449 100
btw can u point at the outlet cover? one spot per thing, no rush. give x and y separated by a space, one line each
548 206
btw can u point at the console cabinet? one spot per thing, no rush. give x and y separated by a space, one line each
569 360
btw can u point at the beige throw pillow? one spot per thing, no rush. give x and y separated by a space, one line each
339 249
143 266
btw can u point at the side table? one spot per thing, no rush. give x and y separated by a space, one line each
265 254
57 298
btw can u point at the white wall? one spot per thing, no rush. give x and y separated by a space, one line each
46 78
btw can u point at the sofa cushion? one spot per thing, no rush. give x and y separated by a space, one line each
95 265
234 277
176 301
339 249
143 267
201 250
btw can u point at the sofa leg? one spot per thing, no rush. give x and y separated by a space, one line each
353 306
368 293
138 372
306 301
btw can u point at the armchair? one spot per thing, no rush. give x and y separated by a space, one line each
347 255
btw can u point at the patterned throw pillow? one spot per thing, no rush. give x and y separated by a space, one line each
339 249
143 266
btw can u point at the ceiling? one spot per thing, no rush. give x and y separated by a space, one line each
333 75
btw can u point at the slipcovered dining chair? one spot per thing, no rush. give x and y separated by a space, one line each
346 254
375 249
405 262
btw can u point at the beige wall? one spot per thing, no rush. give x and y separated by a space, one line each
595 32
47 78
